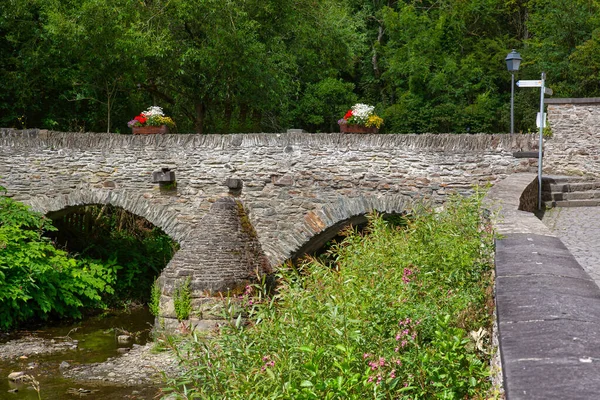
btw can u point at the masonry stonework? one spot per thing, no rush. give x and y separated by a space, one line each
296 187
574 148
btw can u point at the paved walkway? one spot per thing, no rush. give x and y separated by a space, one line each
579 229
548 306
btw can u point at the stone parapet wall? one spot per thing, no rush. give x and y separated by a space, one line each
574 148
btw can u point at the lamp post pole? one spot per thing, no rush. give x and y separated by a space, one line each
513 61
512 102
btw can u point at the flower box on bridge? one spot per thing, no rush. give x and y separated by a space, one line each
150 130
354 128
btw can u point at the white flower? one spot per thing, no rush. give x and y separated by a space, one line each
154 111
362 111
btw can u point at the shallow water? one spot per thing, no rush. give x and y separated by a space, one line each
97 341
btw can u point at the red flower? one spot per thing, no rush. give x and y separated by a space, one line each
348 114
141 119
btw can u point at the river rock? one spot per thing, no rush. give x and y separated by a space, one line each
30 346
16 376
140 366
124 339
64 365
81 392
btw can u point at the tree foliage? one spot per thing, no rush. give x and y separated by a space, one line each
111 235
248 65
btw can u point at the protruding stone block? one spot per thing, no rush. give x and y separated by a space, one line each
165 175
234 183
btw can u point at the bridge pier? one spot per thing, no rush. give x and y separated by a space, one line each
219 259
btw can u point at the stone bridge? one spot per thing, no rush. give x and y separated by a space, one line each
247 203
243 204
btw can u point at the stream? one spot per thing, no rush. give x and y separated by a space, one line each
53 352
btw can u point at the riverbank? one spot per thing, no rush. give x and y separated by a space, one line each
86 359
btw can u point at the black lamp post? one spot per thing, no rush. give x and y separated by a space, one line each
513 61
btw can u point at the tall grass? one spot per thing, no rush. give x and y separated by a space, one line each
391 320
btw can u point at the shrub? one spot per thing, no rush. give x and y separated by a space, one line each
140 248
36 279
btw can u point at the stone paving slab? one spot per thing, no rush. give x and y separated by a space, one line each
531 254
552 379
547 306
524 263
540 284
548 340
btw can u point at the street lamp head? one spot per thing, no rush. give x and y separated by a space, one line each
513 61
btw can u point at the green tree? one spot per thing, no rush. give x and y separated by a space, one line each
27 85
442 66
245 65
560 43
266 65
104 39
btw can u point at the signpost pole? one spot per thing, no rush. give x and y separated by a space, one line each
541 144
543 90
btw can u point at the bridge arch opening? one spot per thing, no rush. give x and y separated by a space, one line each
115 237
320 243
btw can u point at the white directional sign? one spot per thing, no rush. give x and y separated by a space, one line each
529 83
541 120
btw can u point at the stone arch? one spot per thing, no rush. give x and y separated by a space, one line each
157 214
322 225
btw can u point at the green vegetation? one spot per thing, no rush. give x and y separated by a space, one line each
404 314
154 303
113 258
39 281
111 235
268 65
182 299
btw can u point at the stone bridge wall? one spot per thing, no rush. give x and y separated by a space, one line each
295 186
